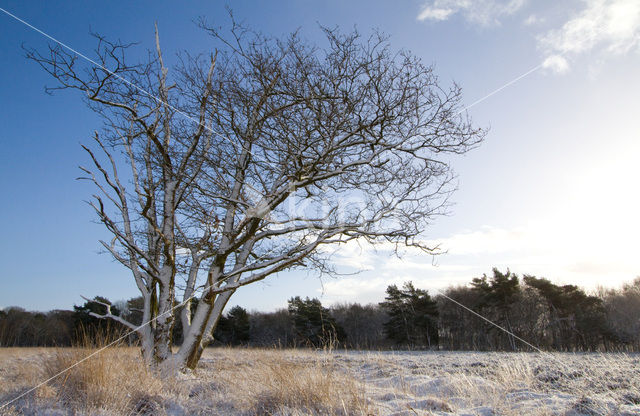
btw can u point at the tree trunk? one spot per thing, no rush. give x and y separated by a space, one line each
163 330
147 344
200 333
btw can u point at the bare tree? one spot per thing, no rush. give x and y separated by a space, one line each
248 161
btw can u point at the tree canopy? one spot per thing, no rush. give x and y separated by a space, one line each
413 316
314 324
246 160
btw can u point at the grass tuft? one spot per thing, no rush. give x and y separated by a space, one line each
112 379
289 383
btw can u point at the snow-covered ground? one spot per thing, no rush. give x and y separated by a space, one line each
467 383
294 382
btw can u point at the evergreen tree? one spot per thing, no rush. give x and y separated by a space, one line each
313 323
234 328
498 295
576 320
397 327
413 316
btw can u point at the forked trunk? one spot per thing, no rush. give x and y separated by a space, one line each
194 357
200 333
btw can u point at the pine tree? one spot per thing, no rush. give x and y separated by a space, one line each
413 316
313 323
239 325
498 295
233 328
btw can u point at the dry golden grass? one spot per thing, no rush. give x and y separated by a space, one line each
116 379
266 382
115 382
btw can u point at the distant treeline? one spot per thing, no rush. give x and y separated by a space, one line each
491 313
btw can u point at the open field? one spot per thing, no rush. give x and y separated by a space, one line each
299 382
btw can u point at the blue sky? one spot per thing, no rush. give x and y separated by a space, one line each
553 191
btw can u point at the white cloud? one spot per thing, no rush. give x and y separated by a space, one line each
588 237
353 288
556 63
602 26
558 247
487 240
354 254
483 12
533 20
435 14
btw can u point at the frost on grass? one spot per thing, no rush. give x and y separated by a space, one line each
294 382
